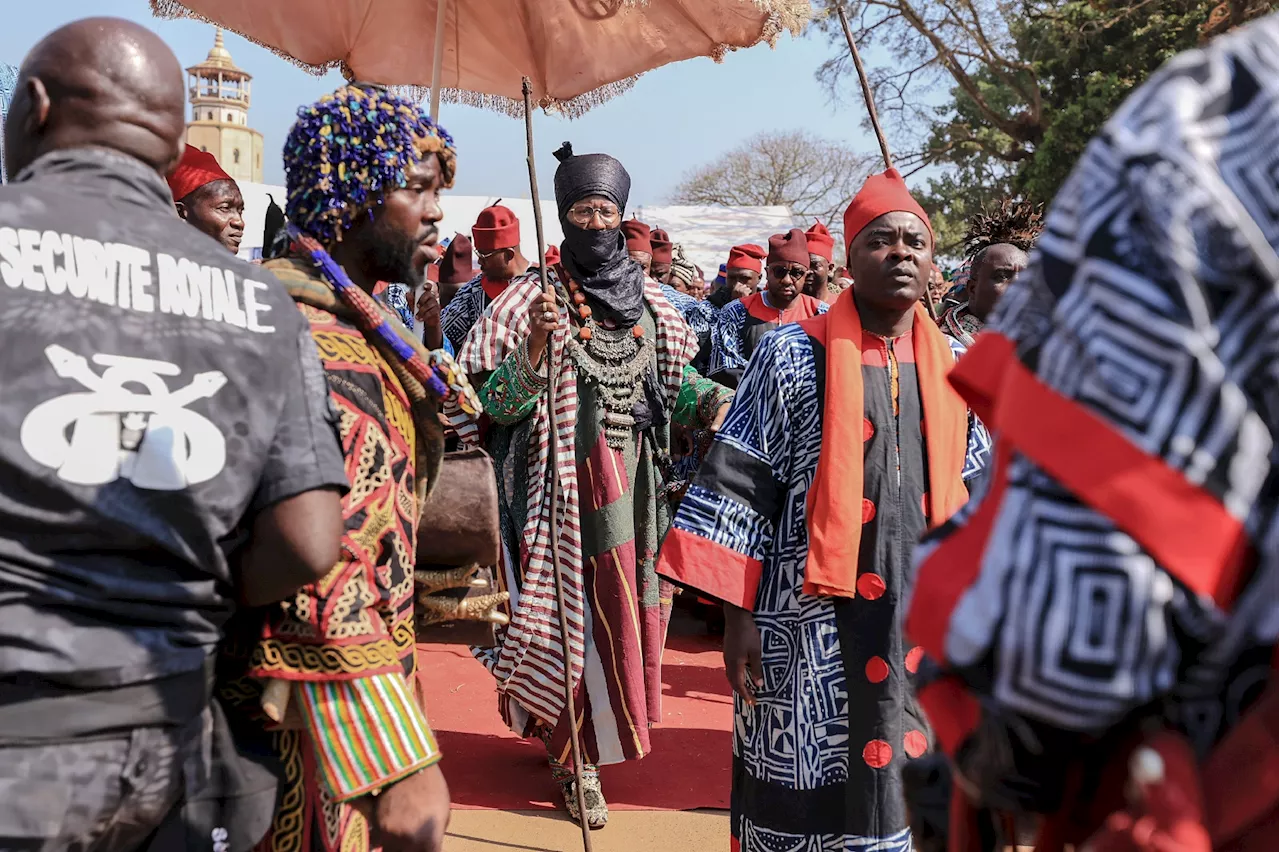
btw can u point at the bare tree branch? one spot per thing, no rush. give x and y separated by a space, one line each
813 177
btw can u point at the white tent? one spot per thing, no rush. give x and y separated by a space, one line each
707 233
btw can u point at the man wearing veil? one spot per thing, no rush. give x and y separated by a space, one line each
618 353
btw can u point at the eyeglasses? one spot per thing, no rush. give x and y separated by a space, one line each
582 214
781 272
485 255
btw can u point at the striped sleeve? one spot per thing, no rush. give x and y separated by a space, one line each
368 733
724 529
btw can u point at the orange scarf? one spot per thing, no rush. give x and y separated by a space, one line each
835 498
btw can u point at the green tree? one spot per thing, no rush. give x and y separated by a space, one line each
1028 82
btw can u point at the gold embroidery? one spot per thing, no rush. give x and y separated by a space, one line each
344 348
373 468
272 655
287 825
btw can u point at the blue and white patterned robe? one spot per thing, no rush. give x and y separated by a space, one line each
817 760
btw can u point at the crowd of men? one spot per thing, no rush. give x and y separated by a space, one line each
215 474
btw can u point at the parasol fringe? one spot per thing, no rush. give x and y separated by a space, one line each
788 15
572 108
175 10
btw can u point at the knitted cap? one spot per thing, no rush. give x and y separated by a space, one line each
749 256
791 247
660 246
820 240
883 193
496 228
637 234
455 266
195 169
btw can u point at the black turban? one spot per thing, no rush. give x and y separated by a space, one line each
589 174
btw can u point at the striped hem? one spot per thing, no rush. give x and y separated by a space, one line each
367 732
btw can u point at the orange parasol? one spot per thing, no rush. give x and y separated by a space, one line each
576 53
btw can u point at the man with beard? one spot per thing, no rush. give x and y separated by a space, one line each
206 197
996 243
618 354
362 209
821 244
141 434
740 325
844 443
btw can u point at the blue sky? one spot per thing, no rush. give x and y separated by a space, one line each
675 119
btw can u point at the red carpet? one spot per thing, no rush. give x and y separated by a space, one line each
488 767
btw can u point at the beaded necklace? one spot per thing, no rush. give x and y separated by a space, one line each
614 360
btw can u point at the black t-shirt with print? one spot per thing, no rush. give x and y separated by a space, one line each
156 393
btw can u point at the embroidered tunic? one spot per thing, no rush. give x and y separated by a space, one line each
817 760
347 642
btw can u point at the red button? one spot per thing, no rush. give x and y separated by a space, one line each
868 510
870 586
877 754
914 656
915 744
877 669
868 430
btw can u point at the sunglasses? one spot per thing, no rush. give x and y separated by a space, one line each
782 272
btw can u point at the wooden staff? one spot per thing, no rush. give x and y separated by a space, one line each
875 123
866 87
574 735
437 59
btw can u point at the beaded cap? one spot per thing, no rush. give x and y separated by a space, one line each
349 148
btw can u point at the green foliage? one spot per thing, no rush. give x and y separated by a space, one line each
1032 81
1090 56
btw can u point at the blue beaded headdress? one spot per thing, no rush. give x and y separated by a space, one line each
349 148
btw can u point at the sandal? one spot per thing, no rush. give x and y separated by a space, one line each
597 807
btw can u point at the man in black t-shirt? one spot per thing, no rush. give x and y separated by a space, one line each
159 395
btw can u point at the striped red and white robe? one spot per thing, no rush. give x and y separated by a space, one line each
612 516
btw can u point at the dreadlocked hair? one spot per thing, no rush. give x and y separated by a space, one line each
1013 223
349 149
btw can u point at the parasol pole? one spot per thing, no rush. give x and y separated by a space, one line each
866 87
437 59
875 119
569 704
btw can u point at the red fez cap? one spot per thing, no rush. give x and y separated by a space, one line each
747 256
553 255
496 228
637 233
820 240
195 169
455 266
883 193
660 246
790 247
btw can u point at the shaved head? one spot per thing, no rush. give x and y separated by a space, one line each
98 82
